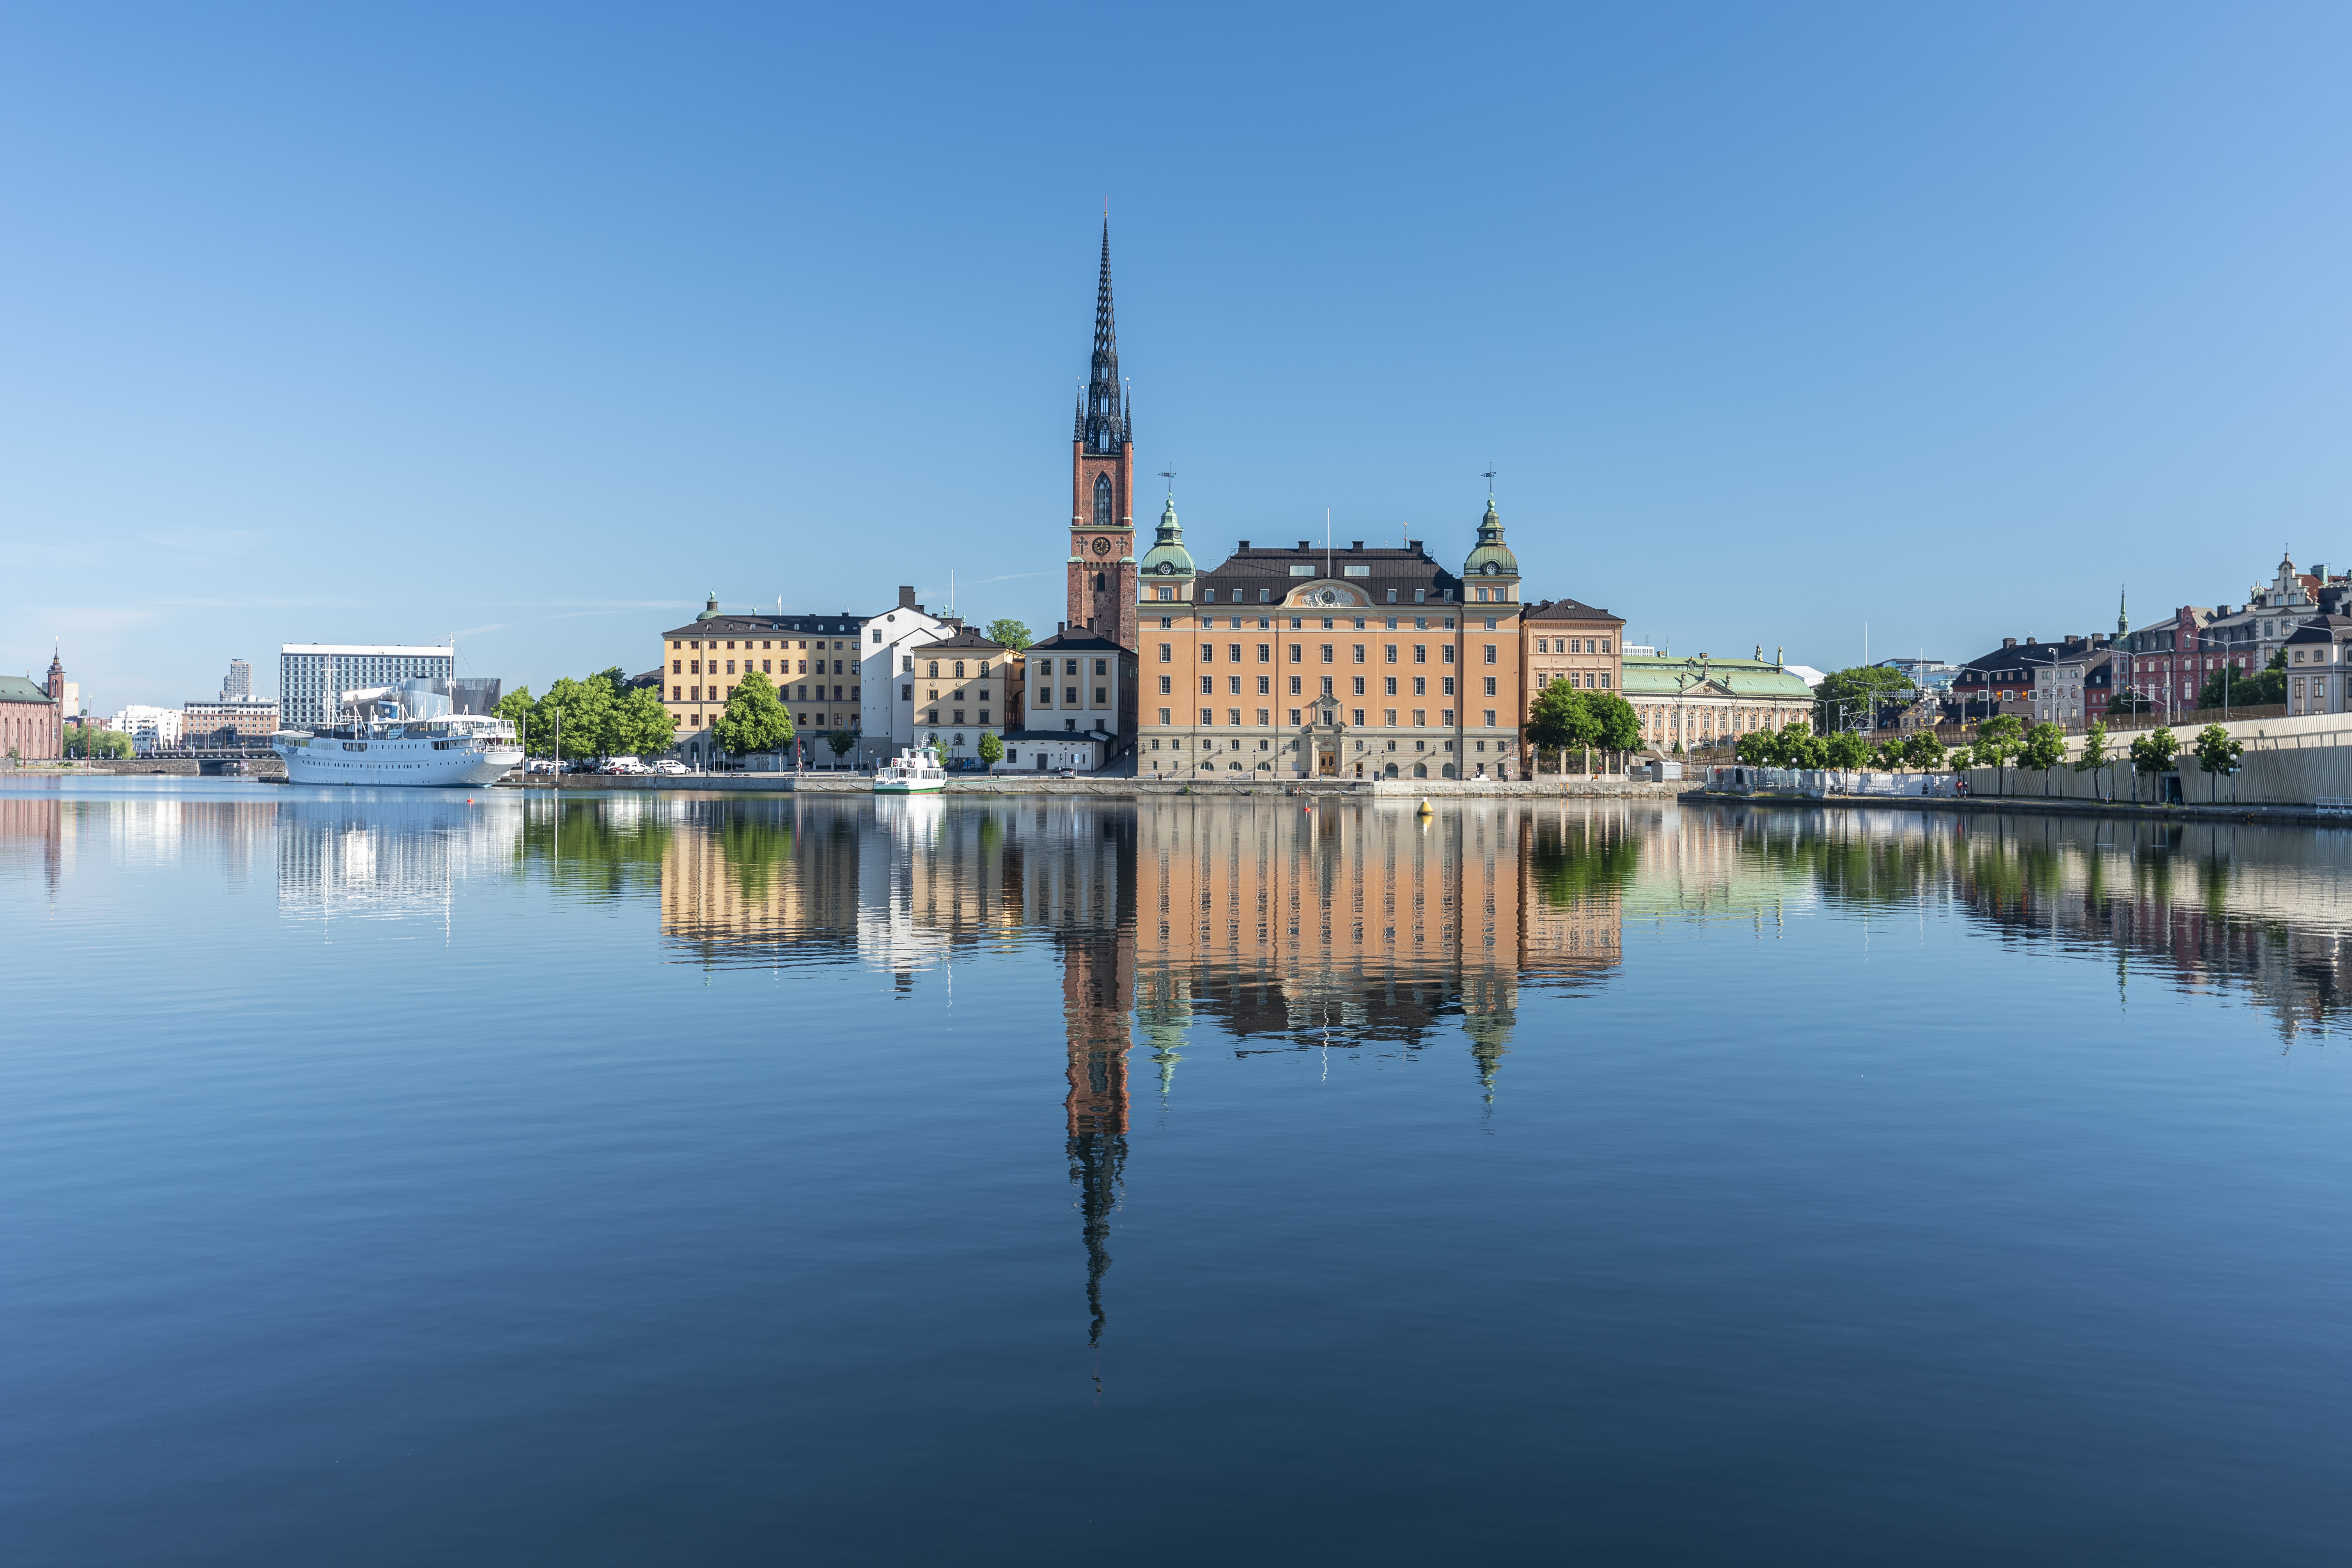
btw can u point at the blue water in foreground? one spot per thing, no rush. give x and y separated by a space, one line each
395 1178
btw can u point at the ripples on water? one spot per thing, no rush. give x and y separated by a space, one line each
666 1178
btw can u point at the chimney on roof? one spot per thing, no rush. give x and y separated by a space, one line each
2008 642
1306 544
906 595
1357 544
2028 640
1061 627
1245 544
1413 546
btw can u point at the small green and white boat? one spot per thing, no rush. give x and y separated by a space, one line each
911 773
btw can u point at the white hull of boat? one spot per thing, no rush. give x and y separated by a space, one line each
416 764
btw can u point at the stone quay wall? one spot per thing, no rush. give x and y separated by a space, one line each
1122 788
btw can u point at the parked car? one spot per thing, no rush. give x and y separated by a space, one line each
670 765
624 765
543 765
1066 773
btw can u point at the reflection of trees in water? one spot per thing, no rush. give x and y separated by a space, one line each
2258 910
1569 860
1843 861
600 847
757 846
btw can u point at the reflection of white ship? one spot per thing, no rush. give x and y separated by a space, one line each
404 735
389 856
896 866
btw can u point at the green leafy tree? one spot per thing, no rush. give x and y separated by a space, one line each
2216 751
1619 728
2094 749
1800 748
1997 740
1759 749
1559 719
2229 688
2155 751
578 715
1847 750
1010 633
1923 750
521 708
754 720
641 725
991 750
85 741
1886 757
843 741
1844 694
2044 747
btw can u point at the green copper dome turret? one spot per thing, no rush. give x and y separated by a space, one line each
1492 558
1167 560
710 610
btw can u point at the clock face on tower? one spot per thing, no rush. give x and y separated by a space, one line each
1102 546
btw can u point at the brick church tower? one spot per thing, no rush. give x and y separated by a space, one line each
1102 488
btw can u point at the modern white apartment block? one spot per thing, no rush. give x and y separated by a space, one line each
312 676
150 729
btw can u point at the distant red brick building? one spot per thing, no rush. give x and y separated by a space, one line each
32 717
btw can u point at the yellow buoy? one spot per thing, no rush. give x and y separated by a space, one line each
1425 810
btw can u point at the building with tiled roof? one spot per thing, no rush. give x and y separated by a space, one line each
1322 661
32 717
1079 683
951 690
1568 639
2319 666
812 659
1687 703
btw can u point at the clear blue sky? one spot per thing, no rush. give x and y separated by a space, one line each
534 325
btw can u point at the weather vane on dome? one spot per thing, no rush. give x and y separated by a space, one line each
1169 473
1489 478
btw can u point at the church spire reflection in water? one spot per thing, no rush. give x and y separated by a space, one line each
1274 928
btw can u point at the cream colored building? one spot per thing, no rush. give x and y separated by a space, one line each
1564 639
1687 703
1333 663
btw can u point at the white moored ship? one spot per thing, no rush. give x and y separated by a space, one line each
911 773
401 735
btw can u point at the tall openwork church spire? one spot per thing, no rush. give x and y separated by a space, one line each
1101 564
1105 426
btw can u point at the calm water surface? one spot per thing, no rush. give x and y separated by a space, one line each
394 1178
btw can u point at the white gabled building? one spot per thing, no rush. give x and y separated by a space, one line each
886 723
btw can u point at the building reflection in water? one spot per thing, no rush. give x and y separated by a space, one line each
1282 928
1356 925
50 827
